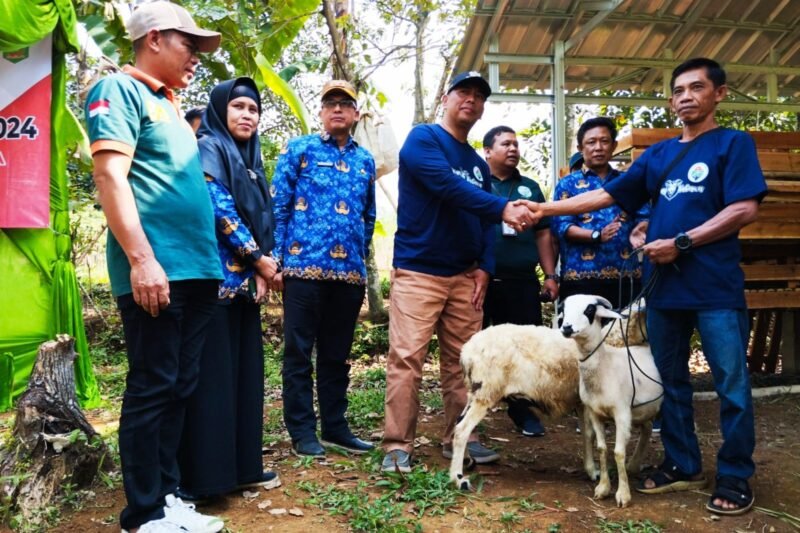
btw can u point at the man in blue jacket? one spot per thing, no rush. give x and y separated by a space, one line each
443 259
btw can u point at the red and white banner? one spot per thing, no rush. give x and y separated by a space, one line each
25 94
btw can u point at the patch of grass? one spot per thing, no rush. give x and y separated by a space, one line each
365 408
554 528
40 520
274 430
629 526
530 506
429 491
303 462
372 378
273 360
370 339
432 399
364 513
509 518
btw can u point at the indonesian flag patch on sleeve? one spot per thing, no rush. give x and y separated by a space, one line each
100 107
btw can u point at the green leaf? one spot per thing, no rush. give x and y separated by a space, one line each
271 80
287 19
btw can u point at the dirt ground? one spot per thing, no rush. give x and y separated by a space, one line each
547 470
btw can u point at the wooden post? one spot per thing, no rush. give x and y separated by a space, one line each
790 349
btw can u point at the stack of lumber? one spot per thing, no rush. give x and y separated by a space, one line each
770 246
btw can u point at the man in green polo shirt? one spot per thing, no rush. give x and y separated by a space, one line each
161 252
514 293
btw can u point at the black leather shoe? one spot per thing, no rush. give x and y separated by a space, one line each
309 447
191 497
351 444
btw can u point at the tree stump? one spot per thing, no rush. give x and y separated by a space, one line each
53 448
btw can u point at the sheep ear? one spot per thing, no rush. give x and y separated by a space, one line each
604 312
604 303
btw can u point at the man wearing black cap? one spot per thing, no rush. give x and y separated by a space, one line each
162 257
443 258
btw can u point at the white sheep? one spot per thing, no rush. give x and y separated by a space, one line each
622 384
533 362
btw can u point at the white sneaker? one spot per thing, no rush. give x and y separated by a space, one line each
184 515
162 525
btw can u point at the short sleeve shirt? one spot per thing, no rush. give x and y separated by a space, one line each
719 169
127 115
516 256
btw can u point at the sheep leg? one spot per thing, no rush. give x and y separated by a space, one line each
623 424
635 462
588 446
604 487
473 413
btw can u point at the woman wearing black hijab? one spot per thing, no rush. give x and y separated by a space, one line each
221 444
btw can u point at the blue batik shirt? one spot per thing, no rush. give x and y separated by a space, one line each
324 204
595 261
236 246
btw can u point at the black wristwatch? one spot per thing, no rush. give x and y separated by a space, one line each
554 277
683 242
596 235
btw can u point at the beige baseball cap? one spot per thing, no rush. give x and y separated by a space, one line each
168 16
342 86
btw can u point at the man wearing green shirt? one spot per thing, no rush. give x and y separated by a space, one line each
514 292
162 256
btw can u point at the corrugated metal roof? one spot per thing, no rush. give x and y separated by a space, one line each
744 35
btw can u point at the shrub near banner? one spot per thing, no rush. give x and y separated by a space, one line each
39 295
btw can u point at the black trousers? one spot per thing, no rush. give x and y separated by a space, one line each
514 301
325 313
163 356
221 443
608 289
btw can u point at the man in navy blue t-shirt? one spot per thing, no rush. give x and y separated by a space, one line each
443 259
706 185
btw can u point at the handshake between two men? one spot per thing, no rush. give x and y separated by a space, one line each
522 214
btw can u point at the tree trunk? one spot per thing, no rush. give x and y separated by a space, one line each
377 310
419 66
341 64
341 69
54 447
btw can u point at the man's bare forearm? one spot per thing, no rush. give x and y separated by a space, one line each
582 203
728 221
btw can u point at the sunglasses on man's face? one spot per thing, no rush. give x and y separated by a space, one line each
344 104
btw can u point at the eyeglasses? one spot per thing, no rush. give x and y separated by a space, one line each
344 104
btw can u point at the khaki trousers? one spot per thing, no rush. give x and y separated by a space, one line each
421 303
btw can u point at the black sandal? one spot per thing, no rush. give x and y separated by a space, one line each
670 480
733 490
